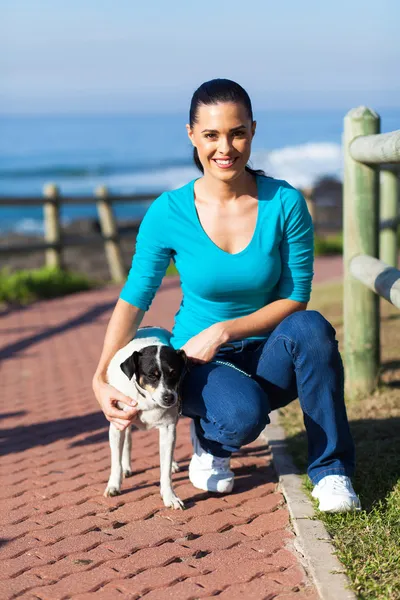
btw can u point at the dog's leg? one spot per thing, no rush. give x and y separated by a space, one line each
167 445
126 453
117 438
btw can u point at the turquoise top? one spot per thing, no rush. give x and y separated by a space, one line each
216 285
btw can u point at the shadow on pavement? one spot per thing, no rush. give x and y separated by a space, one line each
90 315
13 415
20 438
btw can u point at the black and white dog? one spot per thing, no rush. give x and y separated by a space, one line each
147 370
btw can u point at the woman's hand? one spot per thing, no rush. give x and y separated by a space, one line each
204 346
108 396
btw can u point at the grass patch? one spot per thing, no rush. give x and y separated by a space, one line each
328 245
23 287
367 543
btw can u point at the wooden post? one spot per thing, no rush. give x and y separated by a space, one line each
389 210
308 194
110 233
360 236
52 228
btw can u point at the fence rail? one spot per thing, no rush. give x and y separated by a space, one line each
380 149
378 277
370 223
54 239
38 201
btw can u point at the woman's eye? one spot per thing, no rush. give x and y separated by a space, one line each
239 133
210 135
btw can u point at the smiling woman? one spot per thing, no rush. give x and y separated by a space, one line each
222 101
243 245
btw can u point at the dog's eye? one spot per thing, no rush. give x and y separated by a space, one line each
171 373
153 375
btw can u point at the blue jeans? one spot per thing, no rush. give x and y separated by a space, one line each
230 402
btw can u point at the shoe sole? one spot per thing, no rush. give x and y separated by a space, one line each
205 488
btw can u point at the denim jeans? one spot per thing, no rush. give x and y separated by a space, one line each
230 402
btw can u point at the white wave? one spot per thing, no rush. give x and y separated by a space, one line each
27 226
301 165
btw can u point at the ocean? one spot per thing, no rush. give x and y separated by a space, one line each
149 153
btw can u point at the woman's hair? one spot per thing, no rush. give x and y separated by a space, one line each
214 92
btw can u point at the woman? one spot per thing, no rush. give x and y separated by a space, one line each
243 245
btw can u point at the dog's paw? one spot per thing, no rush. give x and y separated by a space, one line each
175 467
172 501
111 491
127 473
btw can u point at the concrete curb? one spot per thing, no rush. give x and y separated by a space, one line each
313 541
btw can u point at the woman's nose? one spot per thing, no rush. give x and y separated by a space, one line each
224 145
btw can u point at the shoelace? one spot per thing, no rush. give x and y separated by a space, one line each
339 484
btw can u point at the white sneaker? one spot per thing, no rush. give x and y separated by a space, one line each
336 494
208 472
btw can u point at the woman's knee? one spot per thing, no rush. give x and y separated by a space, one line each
309 325
233 406
244 418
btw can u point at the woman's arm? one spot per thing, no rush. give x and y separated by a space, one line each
203 346
149 264
121 329
261 321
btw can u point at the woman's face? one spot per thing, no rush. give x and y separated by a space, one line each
222 136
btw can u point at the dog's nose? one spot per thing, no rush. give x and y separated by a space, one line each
168 398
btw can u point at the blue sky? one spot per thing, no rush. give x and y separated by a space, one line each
60 56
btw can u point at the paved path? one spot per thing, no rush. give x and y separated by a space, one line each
60 538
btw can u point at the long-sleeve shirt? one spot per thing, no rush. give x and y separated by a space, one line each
216 285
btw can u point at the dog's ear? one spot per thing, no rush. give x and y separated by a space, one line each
130 366
182 353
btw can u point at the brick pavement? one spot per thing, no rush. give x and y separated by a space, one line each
60 538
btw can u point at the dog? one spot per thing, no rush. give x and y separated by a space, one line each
149 371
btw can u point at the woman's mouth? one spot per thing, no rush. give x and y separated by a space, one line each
224 163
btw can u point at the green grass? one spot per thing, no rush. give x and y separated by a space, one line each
23 287
328 245
367 543
333 244
26 286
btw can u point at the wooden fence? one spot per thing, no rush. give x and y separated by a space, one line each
370 205
54 240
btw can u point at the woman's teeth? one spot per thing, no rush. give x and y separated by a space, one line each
224 163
